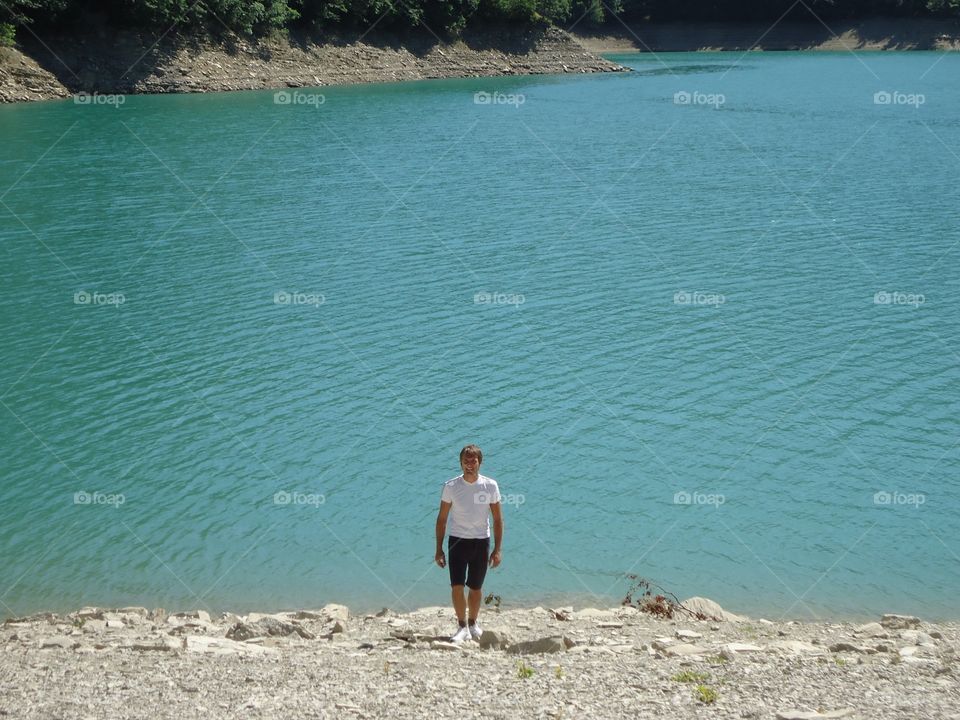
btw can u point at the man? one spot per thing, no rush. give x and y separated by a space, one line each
472 498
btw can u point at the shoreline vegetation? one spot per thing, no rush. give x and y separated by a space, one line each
44 62
616 662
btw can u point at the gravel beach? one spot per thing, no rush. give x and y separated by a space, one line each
532 662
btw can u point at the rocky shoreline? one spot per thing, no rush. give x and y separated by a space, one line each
538 662
870 34
128 63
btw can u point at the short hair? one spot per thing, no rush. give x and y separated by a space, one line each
473 451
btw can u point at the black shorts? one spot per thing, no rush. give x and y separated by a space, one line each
465 554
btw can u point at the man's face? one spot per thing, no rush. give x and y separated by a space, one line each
470 464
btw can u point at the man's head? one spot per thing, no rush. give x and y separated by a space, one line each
470 458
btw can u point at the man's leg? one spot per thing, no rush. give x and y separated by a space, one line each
474 604
477 571
460 603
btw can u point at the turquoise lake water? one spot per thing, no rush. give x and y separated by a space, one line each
702 319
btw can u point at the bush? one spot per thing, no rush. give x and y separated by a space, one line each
8 35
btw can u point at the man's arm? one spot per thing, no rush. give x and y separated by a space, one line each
441 531
497 533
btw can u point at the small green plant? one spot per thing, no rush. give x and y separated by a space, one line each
523 670
705 694
689 676
491 598
79 622
8 35
717 659
840 661
558 671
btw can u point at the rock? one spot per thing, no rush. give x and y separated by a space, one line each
874 630
94 626
311 615
734 648
494 639
444 645
688 635
812 714
610 625
899 622
115 624
46 617
222 646
201 615
164 644
712 611
268 626
383 613
338 627
89 613
594 614
63 643
336 612
682 649
141 611
550 644
916 637
850 647
796 646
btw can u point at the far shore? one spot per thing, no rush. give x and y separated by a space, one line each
548 662
127 63
871 34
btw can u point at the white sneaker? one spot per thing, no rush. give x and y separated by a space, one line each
461 635
476 631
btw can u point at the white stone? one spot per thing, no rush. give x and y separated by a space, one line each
899 622
735 647
443 645
594 614
874 630
681 649
688 635
223 646
711 609
796 646
813 714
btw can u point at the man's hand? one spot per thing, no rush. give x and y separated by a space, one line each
439 559
494 558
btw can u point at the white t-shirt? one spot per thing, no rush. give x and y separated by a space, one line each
470 515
